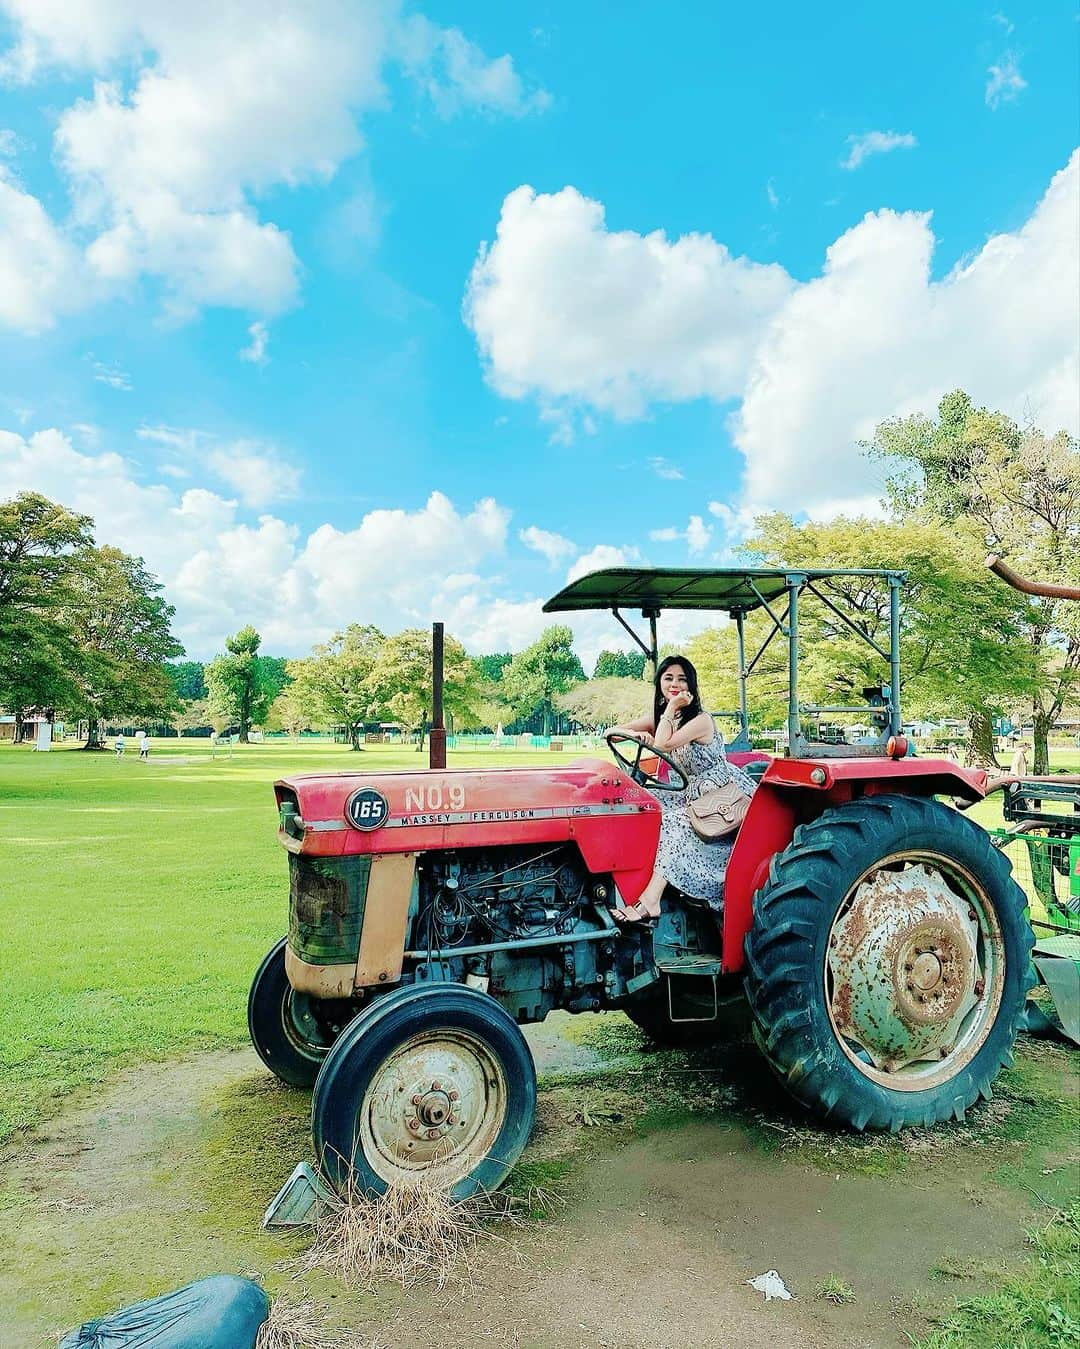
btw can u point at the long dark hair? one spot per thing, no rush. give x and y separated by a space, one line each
660 702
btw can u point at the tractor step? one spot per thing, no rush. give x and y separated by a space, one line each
694 964
693 967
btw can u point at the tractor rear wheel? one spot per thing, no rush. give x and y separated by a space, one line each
888 963
431 1082
291 1032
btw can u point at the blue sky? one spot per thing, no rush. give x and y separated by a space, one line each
605 279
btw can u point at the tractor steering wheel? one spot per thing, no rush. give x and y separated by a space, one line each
644 777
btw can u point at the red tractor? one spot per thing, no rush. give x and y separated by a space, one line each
879 938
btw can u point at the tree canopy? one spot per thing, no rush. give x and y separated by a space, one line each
536 675
41 544
619 665
121 626
241 685
1017 492
334 685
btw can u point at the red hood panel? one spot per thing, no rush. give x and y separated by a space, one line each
615 823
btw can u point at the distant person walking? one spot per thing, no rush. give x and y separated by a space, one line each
120 746
144 748
1018 766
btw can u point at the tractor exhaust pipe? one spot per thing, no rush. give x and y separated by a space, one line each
437 734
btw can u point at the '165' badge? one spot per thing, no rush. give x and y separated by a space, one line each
367 809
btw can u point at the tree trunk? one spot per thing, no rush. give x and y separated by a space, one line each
1040 725
354 734
981 746
18 726
93 734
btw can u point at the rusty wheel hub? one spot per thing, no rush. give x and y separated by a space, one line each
913 972
437 1104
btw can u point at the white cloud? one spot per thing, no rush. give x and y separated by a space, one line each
195 113
553 546
697 535
771 193
563 308
663 469
255 351
257 473
110 375
9 144
258 476
456 74
40 270
222 570
860 148
582 319
875 336
1005 84
603 555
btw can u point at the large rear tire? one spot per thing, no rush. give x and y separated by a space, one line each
431 1082
888 963
290 1031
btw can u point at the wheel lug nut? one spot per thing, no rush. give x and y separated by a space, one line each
417 1099
433 1133
413 1124
435 1086
453 1095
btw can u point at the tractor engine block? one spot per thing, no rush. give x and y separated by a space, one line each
489 896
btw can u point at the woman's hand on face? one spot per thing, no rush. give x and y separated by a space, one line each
683 698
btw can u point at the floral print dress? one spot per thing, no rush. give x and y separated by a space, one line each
688 862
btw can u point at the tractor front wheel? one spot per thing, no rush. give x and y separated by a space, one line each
291 1032
888 963
431 1082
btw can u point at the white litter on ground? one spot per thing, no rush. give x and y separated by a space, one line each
772 1285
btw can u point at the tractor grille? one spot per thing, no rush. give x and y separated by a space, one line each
326 907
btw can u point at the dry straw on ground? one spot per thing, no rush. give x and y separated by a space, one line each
302 1325
413 1234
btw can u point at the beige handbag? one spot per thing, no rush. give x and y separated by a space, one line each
718 813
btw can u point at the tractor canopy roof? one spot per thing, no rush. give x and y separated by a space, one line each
729 590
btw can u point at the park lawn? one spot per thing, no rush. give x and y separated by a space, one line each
138 900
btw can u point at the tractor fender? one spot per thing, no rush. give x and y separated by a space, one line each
794 791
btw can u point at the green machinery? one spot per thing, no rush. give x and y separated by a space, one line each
1042 839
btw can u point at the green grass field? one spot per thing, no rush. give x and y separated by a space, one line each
138 899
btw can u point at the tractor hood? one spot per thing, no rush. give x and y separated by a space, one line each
615 823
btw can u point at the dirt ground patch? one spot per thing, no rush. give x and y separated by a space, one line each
675 1196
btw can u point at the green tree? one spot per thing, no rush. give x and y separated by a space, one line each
963 647
715 655
402 679
608 701
121 627
274 674
491 667
188 679
1021 491
333 686
237 682
536 675
40 542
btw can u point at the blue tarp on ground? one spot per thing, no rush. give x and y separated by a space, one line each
223 1312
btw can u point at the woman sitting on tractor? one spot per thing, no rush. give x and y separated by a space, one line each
680 727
